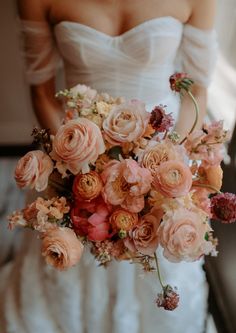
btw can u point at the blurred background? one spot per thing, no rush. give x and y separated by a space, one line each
17 120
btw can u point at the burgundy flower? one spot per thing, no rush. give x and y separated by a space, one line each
161 121
180 81
168 299
223 207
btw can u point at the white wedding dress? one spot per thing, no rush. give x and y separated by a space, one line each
34 297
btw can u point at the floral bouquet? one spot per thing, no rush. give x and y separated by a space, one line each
118 180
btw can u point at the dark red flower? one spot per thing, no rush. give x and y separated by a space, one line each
159 120
223 207
180 81
168 299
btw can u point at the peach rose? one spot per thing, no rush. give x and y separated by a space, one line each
123 220
87 186
61 248
144 236
158 152
77 144
182 235
33 170
126 183
212 176
173 179
126 122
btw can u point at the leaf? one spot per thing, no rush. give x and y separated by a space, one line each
115 152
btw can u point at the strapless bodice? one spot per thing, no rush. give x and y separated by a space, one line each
136 64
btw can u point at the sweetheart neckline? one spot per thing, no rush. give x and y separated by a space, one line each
126 33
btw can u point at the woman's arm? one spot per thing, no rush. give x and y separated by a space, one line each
203 15
46 107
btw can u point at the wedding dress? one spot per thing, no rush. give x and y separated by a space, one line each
34 297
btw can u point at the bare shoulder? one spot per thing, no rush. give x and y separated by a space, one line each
203 13
35 10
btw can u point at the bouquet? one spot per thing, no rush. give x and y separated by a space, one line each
119 181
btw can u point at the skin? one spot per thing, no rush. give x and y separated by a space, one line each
114 17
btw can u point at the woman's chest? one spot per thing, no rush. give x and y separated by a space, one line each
115 17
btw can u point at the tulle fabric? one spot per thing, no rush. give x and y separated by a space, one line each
88 299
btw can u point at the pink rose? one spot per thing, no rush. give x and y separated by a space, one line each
33 170
182 235
77 144
126 183
173 179
156 153
126 122
61 248
144 236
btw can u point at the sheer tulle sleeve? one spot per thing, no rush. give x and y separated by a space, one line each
199 53
40 51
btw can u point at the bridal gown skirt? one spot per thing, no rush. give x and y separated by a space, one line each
35 298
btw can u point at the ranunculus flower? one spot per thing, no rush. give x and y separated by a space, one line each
211 176
223 207
33 170
77 144
144 236
122 219
156 153
173 179
126 122
126 183
182 235
87 186
61 248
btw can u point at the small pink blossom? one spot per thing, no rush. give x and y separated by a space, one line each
201 200
33 170
168 299
126 183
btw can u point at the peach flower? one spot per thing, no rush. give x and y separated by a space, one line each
173 179
126 122
33 170
87 186
158 152
61 248
182 235
77 144
123 220
144 236
212 176
126 183
201 199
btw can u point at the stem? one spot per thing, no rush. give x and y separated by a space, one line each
210 187
158 271
58 186
196 108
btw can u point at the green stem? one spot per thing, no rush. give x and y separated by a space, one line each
210 187
158 271
196 108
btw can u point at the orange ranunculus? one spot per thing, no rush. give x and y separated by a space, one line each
87 186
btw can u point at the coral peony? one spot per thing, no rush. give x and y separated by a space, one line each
125 184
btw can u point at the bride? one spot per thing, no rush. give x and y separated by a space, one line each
125 48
